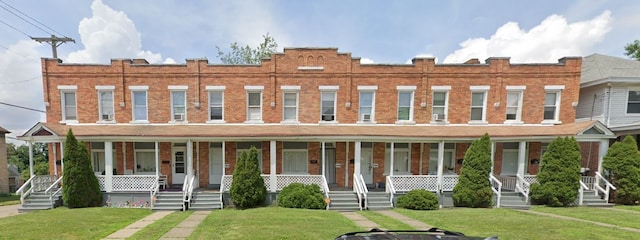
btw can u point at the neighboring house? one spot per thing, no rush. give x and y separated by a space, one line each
610 93
4 164
14 178
316 116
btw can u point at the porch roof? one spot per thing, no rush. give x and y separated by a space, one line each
352 132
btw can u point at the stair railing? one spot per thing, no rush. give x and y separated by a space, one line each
365 191
496 187
607 184
154 191
522 186
581 189
389 188
54 185
26 189
360 190
186 191
325 187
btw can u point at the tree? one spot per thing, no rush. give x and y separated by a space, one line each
247 188
19 156
473 188
632 50
559 176
80 186
623 163
248 55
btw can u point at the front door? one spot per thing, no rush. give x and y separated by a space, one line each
509 162
366 164
179 165
330 158
215 166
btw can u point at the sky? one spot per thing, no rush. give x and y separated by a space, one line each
378 31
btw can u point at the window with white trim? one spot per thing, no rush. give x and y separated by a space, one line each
328 103
69 107
551 105
98 157
145 158
294 158
439 103
448 162
478 106
401 158
514 103
405 105
367 105
105 104
633 101
216 105
139 99
254 103
290 106
178 105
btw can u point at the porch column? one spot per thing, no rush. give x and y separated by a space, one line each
55 161
190 158
224 162
273 182
30 158
357 155
603 148
391 159
108 167
522 150
157 154
440 163
324 162
62 158
124 158
493 155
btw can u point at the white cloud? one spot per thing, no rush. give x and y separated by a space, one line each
422 55
366 61
552 39
109 34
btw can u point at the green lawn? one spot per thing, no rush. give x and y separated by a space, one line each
64 223
625 207
9 199
512 224
273 223
384 221
618 218
162 226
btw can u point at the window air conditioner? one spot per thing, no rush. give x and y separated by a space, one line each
366 117
439 117
178 117
107 117
327 117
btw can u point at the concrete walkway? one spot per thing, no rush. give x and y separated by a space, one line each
186 227
360 220
128 231
9 210
407 220
581 220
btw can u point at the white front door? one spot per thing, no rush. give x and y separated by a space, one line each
509 162
179 165
366 164
215 165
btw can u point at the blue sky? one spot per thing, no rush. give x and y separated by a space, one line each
377 31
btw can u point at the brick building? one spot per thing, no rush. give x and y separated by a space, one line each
314 113
4 164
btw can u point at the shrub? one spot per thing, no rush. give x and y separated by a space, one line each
623 164
419 199
298 195
559 176
247 189
80 186
473 188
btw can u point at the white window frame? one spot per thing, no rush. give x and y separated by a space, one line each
135 89
329 90
305 151
65 89
520 91
286 90
445 90
433 159
135 164
387 158
253 90
177 90
411 91
100 152
372 105
215 90
557 90
101 111
484 91
626 111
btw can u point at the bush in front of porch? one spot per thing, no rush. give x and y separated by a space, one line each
247 189
299 195
419 199
473 188
559 176
623 164
81 187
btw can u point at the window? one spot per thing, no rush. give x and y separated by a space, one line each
69 103
294 157
245 146
633 101
216 100
401 158
105 103
514 103
328 103
367 103
178 105
98 157
254 103
405 103
478 103
139 96
145 157
439 103
290 105
448 161
551 101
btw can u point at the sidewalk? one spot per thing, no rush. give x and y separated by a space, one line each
368 224
128 231
9 210
186 227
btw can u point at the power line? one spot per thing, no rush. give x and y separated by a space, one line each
21 81
25 20
16 53
31 18
27 108
14 28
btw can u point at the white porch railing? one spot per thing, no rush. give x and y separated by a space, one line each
581 189
449 182
130 183
54 186
361 190
523 186
496 187
600 180
406 183
26 189
187 191
35 184
389 188
508 182
589 181
282 180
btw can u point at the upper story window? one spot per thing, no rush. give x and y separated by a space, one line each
254 103
440 103
552 98
139 98
479 103
290 103
216 103
633 101
178 103
105 104
328 103
514 104
367 103
69 107
405 103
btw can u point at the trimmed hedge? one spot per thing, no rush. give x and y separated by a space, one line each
419 199
81 188
622 163
473 188
247 189
559 176
298 195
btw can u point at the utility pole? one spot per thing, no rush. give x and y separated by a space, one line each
54 42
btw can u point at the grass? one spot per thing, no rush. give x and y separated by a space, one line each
511 224
162 226
619 218
65 223
626 207
9 199
273 223
384 221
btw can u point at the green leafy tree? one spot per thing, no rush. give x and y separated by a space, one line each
473 188
632 50
559 176
80 186
623 163
19 156
247 54
247 188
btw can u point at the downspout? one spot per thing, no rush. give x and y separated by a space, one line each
608 117
421 157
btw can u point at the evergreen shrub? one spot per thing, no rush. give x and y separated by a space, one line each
80 186
247 188
419 199
474 188
298 195
559 176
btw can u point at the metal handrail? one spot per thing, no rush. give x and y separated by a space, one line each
523 187
365 191
187 200
185 187
154 191
390 189
357 186
581 189
325 185
21 191
607 184
497 191
54 184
